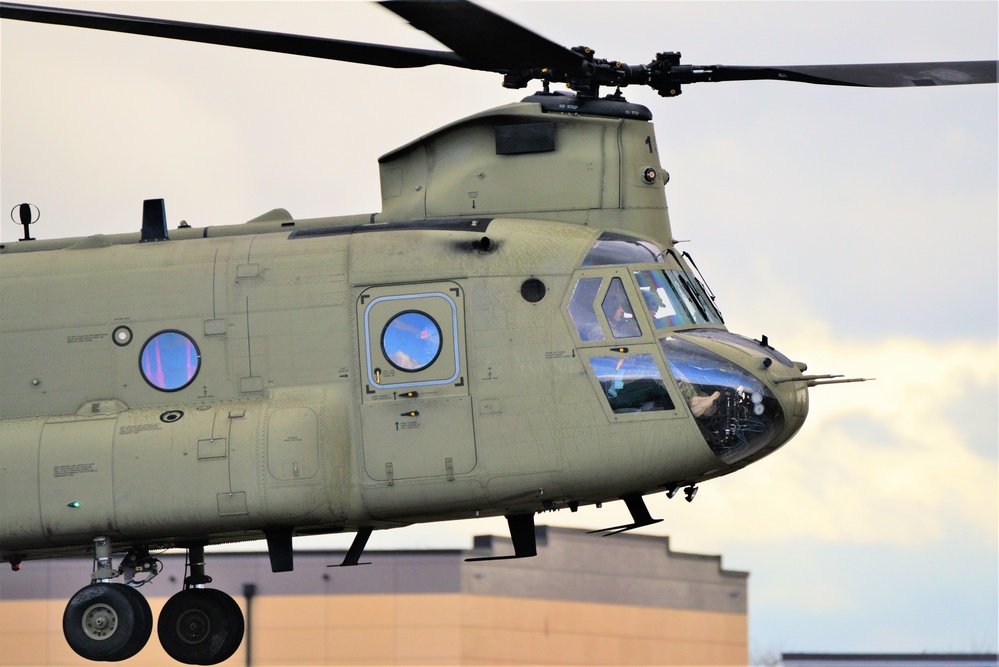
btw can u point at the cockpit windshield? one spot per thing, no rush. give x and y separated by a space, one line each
675 298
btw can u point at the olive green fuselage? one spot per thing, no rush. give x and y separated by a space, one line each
293 414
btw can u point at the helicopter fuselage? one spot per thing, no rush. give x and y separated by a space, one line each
374 371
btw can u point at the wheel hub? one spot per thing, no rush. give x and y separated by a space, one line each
99 621
194 626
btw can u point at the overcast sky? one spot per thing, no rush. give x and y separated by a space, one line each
856 228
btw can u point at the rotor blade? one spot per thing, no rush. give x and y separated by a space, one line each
881 75
260 40
488 40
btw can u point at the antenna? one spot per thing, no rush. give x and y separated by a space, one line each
27 214
154 224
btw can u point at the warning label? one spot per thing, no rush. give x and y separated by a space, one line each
75 469
138 428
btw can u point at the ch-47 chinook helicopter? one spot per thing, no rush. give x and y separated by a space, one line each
483 346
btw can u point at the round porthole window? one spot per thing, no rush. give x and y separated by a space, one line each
169 360
411 341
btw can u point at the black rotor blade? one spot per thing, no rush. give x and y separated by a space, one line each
485 39
873 75
260 40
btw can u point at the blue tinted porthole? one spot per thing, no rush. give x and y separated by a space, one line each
169 361
411 341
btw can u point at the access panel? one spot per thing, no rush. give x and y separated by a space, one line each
74 478
416 413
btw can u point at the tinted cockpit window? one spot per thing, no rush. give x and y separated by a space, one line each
631 384
581 309
664 304
619 313
736 412
675 299
613 248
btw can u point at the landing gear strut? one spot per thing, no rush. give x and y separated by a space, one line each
200 626
105 621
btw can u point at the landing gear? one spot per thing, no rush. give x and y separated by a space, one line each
111 622
105 621
200 626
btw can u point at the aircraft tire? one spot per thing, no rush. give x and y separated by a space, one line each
200 626
107 622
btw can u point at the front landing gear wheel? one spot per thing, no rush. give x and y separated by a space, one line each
200 626
107 622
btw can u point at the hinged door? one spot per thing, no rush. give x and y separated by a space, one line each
416 413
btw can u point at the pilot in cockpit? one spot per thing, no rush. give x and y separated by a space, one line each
620 316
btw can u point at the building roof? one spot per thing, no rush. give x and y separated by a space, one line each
890 659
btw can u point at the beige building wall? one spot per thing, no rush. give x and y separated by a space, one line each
424 629
583 600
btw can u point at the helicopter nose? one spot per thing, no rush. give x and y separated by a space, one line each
746 398
792 392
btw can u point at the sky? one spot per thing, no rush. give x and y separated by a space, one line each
856 228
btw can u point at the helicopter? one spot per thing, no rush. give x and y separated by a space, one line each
471 350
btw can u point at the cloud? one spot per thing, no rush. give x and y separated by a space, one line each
876 463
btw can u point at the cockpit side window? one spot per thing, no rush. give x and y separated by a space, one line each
619 313
632 383
584 294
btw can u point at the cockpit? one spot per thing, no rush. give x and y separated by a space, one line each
656 347
674 296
